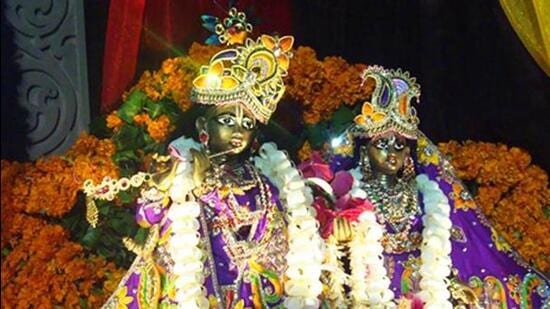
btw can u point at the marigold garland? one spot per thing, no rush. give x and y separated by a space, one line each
511 193
321 87
40 265
175 77
46 268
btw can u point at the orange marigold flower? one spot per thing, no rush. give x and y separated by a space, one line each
114 122
305 152
46 269
202 53
142 119
160 128
512 194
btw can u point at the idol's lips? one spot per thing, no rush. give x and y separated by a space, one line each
236 142
392 160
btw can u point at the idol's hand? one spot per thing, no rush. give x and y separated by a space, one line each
201 165
342 230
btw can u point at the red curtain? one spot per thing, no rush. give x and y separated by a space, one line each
159 25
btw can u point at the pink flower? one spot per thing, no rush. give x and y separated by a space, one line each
316 167
353 208
410 301
325 216
341 184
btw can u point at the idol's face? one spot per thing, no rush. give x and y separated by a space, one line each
387 153
229 126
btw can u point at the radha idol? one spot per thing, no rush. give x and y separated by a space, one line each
416 245
227 230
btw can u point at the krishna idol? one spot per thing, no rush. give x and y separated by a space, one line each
417 242
227 230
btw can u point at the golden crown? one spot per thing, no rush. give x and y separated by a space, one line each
390 108
251 74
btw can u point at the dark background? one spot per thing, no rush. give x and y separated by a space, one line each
478 81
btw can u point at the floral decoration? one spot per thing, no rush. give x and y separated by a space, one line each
512 193
52 258
40 264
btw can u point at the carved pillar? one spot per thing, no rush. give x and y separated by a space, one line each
50 53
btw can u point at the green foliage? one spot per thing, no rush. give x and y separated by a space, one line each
341 119
98 128
132 106
324 131
117 218
115 222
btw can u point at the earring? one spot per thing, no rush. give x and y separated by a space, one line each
255 145
364 163
203 138
408 169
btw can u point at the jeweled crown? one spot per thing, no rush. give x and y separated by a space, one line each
251 74
390 108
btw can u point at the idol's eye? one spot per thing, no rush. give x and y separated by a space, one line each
399 145
249 123
226 120
381 143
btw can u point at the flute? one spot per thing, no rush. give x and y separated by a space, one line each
232 150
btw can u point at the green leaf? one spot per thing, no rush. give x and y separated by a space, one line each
124 224
546 211
141 235
104 209
105 252
98 128
341 119
133 105
126 155
155 148
82 303
127 138
91 238
154 109
5 251
172 110
126 197
317 134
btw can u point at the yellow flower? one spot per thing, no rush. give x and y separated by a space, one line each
123 299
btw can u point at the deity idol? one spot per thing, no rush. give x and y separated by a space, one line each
414 244
227 230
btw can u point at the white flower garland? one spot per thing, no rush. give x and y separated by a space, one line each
366 259
436 245
305 245
304 258
338 276
369 281
184 242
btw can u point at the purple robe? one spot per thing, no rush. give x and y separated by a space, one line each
481 260
252 282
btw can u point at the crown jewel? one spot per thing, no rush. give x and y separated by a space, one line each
390 108
251 74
